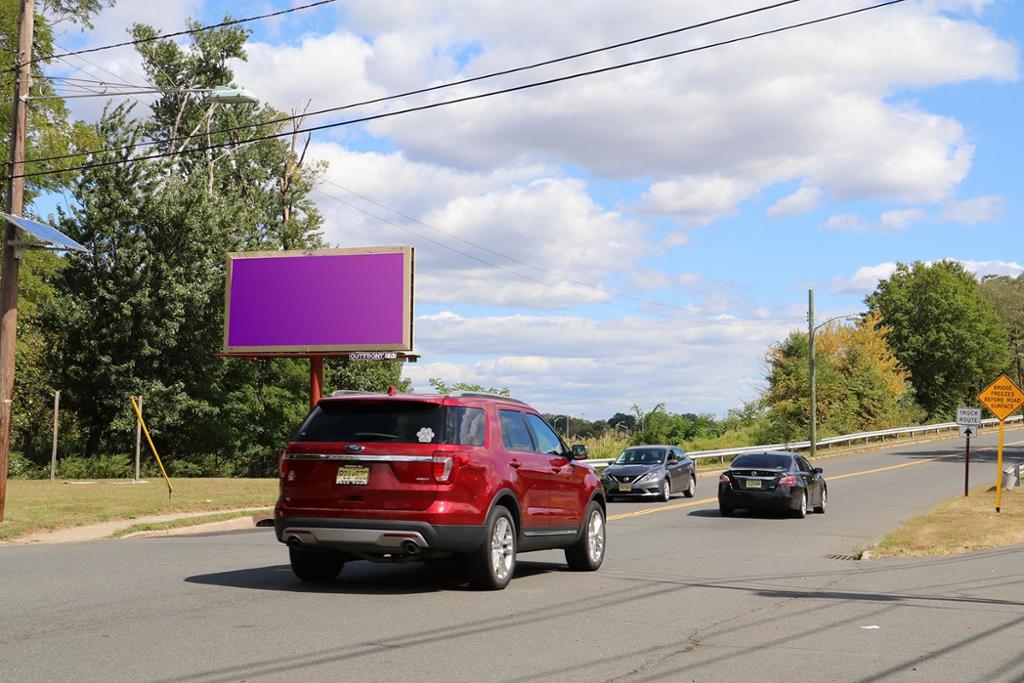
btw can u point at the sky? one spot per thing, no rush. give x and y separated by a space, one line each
641 236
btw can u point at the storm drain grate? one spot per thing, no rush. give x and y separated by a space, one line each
841 557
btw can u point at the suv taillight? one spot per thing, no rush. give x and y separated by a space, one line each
443 466
282 468
788 480
724 479
447 464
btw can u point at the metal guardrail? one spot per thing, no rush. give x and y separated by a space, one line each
847 439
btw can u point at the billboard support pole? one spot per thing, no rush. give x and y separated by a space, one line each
316 380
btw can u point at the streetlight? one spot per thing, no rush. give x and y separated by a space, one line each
811 329
222 94
554 423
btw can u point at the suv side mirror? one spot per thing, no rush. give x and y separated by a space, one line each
818 470
579 452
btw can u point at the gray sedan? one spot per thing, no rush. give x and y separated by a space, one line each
650 471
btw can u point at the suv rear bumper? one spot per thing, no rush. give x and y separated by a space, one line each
370 536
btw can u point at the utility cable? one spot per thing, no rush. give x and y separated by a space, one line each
433 88
470 98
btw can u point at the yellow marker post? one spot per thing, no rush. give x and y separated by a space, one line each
149 440
1002 397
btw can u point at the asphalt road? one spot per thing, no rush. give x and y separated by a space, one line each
684 595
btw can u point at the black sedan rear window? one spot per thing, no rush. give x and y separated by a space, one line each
393 422
763 461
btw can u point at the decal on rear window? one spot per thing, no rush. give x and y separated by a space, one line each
425 435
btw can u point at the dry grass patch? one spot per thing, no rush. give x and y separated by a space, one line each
45 506
959 525
189 522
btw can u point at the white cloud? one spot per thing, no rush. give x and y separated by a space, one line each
866 278
489 227
900 218
983 268
696 201
985 209
844 221
568 363
889 221
803 200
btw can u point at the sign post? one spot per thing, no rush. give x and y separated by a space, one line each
1002 397
969 420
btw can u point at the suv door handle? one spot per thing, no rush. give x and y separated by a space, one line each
515 463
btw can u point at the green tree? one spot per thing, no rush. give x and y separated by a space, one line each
1007 296
860 384
943 330
442 387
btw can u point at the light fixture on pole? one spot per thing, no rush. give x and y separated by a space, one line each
222 94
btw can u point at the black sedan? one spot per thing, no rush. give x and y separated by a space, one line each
650 471
772 481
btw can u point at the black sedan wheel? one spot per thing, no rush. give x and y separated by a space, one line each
801 511
724 510
820 509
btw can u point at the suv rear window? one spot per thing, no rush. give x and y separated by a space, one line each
394 422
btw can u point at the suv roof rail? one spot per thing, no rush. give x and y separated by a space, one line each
485 394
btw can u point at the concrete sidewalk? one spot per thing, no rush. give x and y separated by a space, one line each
96 532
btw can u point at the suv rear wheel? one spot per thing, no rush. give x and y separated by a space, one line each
587 554
316 567
491 567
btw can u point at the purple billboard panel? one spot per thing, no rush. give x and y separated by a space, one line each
332 300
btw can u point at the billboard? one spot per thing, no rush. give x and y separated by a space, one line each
331 300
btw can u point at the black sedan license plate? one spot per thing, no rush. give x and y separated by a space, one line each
351 475
753 483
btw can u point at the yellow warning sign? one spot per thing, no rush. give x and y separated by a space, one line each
1002 397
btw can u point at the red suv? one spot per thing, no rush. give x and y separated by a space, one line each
397 477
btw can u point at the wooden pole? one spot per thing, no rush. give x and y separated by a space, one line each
316 380
56 427
10 260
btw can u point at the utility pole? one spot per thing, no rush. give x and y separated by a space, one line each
11 255
812 372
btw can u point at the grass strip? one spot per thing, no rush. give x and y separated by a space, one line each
188 521
959 525
44 506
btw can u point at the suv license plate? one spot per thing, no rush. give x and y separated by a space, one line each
353 476
753 483
625 488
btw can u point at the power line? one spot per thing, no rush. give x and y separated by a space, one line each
198 29
469 98
433 88
613 293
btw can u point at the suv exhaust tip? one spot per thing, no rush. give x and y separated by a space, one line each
295 543
410 548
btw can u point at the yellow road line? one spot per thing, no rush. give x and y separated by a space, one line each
691 503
